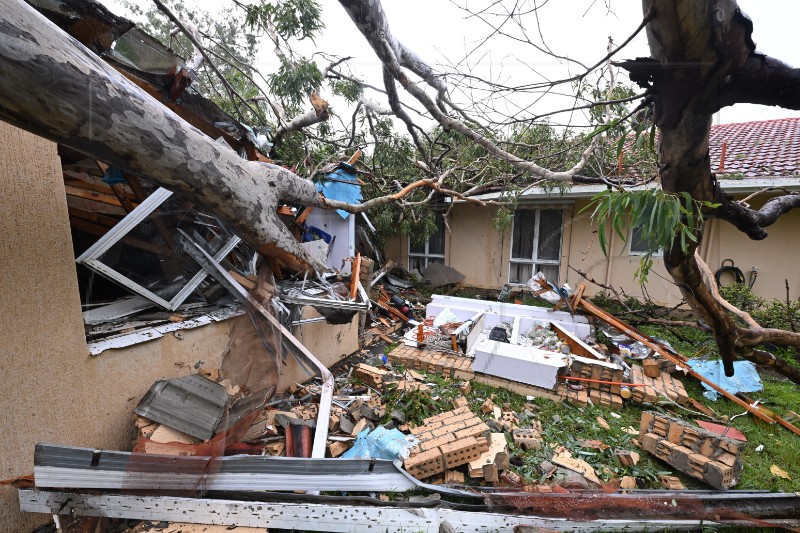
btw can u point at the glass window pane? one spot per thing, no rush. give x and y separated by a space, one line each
414 248
550 272
149 254
436 241
549 246
416 263
522 237
520 273
638 242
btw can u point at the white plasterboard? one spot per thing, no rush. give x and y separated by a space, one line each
519 363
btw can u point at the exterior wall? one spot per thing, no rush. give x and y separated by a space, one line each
619 268
777 257
481 253
51 390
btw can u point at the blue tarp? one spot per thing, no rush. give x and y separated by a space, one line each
381 443
349 192
744 379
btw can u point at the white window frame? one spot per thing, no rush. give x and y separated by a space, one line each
91 257
534 260
639 253
426 255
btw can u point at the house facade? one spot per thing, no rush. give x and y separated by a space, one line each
552 231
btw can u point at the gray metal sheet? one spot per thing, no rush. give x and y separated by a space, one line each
84 468
317 517
190 404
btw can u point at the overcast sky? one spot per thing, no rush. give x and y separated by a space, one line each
441 33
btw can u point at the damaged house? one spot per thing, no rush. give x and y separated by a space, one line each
552 231
82 342
144 308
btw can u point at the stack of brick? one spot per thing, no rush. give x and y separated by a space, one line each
448 365
583 395
656 389
704 455
447 440
582 367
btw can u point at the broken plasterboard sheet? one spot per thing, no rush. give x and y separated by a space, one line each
148 334
497 312
519 363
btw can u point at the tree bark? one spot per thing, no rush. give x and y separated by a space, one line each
703 59
56 88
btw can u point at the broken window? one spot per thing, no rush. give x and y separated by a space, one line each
536 244
140 253
431 251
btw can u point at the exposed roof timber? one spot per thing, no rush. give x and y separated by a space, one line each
145 61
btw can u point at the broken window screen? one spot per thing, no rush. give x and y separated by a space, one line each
536 244
431 251
141 254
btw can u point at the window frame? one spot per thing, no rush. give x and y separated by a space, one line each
91 257
535 261
426 255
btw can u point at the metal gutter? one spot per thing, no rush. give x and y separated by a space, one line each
746 185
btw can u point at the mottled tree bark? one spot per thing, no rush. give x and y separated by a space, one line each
703 58
56 88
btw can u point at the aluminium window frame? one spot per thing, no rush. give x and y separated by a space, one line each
91 257
426 254
534 260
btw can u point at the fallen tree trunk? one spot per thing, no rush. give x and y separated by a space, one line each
56 88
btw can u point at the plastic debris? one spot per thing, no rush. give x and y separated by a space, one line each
745 379
381 443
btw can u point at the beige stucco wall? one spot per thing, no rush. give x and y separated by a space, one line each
51 390
481 253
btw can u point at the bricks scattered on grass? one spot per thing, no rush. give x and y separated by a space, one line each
694 451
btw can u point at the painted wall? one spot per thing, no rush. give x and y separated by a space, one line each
479 252
51 390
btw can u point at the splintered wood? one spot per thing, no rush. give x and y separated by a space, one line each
447 440
657 389
699 453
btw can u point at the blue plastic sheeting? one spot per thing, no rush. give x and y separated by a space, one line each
744 379
381 443
349 192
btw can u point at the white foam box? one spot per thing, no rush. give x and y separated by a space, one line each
525 364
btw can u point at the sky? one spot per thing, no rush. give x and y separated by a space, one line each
442 33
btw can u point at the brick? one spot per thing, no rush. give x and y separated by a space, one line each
436 442
527 439
336 448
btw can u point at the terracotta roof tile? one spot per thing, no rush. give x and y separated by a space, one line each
757 149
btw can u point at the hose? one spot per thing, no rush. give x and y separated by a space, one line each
725 269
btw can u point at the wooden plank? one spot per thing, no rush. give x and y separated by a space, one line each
109 199
577 346
355 269
677 360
